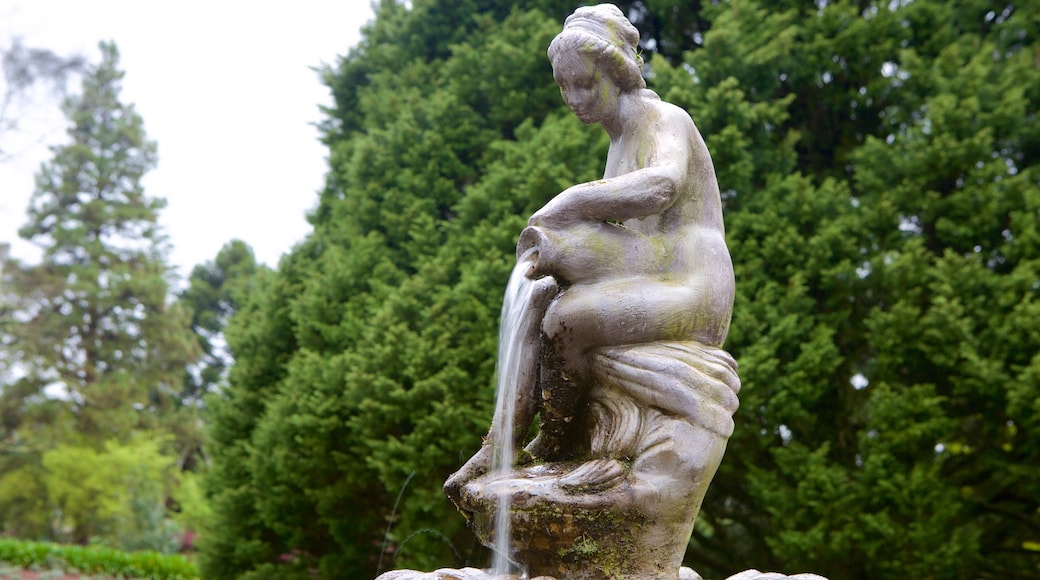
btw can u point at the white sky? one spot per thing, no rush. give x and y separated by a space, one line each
225 89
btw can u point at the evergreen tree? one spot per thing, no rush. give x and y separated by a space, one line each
216 290
374 346
93 353
92 319
878 162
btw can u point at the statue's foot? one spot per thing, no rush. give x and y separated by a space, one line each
477 465
546 481
594 476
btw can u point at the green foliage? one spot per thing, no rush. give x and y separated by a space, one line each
97 560
93 353
24 509
92 319
370 356
879 166
79 494
215 291
193 510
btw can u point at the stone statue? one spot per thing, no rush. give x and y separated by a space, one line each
631 303
634 392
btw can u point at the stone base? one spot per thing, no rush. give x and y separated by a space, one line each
565 526
477 574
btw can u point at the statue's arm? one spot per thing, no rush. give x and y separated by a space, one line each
637 194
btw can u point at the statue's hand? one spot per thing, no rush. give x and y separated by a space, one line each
594 476
557 213
542 218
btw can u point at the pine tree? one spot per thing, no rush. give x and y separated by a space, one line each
216 290
94 350
90 329
375 344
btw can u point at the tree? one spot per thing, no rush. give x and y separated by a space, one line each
374 341
92 319
94 353
216 290
114 494
879 166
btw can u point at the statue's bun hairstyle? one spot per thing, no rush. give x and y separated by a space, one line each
603 32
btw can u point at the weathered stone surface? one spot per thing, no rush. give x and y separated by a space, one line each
621 518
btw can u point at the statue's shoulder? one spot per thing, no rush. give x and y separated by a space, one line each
668 114
678 122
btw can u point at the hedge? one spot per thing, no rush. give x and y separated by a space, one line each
97 560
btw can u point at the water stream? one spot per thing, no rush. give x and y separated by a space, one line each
513 327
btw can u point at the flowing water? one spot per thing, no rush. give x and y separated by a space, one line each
514 326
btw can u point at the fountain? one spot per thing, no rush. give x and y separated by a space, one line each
611 335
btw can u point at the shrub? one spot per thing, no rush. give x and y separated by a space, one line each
97 560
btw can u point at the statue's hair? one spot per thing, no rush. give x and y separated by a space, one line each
603 32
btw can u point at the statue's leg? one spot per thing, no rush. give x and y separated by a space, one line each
582 318
562 390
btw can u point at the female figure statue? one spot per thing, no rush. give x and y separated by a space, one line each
634 295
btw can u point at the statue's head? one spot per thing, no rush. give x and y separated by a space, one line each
603 34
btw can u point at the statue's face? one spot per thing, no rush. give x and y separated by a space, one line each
590 94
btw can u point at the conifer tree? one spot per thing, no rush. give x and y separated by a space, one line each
90 329
375 343
94 351
879 166
216 290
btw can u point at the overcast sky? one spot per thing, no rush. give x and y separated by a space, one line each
225 89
